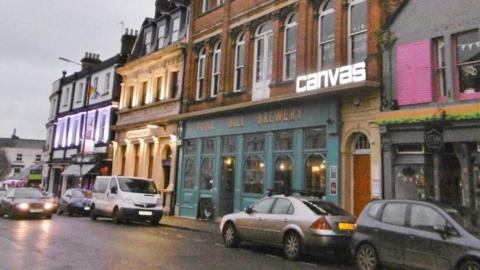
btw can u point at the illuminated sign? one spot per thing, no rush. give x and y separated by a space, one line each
333 77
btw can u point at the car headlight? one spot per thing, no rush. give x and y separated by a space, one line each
48 206
23 206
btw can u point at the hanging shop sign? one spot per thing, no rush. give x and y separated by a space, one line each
433 139
333 77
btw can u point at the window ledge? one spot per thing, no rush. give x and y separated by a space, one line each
209 11
282 83
234 93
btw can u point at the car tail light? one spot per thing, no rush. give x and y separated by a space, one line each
320 224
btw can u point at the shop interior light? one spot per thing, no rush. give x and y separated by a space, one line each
228 161
262 165
322 166
315 169
282 166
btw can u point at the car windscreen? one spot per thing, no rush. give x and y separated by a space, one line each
28 194
465 218
325 208
80 194
137 186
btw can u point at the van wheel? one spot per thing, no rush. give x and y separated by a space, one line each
93 215
366 258
116 216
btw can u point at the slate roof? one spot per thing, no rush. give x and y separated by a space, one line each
22 143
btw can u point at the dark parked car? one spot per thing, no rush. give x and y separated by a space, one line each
75 201
298 224
25 202
416 234
49 197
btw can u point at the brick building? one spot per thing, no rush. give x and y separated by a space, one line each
280 95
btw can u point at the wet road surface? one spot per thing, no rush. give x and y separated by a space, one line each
78 243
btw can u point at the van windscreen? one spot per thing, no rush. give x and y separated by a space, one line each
137 186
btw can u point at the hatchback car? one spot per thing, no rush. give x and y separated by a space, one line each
416 234
25 202
75 201
298 224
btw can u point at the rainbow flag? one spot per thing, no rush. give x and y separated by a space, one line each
92 91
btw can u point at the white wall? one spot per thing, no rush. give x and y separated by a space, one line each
28 157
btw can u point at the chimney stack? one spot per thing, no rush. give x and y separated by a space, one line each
163 6
90 60
128 40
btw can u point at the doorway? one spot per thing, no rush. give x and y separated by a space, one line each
361 173
450 187
227 185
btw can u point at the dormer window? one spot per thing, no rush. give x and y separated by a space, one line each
161 35
148 41
175 29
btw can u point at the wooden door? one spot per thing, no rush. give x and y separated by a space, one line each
361 182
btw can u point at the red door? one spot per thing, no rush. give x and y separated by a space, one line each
361 182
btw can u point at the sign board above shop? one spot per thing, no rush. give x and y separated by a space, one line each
333 77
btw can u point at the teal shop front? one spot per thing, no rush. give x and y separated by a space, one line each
230 160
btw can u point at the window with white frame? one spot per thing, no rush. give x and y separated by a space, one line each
290 47
175 29
95 87
239 62
326 36
148 41
357 30
201 75
19 157
102 125
439 67
73 131
65 97
59 135
467 61
161 35
107 81
79 93
216 69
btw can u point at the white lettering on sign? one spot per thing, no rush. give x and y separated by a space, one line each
333 77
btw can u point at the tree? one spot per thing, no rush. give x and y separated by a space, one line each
5 165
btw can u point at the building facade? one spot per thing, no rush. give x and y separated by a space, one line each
146 132
280 96
431 120
83 109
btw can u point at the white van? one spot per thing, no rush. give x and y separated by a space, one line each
126 198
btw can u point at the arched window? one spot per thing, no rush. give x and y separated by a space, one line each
290 47
263 61
361 143
216 69
253 175
326 36
283 174
201 75
239 62
315 175
189 176
357 30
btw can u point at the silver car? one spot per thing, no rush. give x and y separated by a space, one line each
298 224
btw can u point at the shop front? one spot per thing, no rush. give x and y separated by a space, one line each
227 162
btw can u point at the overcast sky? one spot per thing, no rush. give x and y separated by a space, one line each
34 33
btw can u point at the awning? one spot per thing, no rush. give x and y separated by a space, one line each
74 169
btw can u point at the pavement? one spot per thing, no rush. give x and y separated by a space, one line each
191 224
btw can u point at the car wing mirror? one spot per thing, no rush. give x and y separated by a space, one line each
248 210
113 190
442 230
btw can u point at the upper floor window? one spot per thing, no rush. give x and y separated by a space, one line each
439 66
130 100
148 41
173 84
65 97
79 93
95 86
290 48
468 62
19 157
143 93
38 157
326 37
201 75
357 30
211 4
161 35
175 29
160 94
239 62
216 69
107 81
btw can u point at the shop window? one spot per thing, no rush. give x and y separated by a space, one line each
201 75
253 175
284 140
239 62
208 146
410 148
190 147
326 41
283 174
357 31
315 138
217 52
439 67
189 177
206 174
290 47
410 182
255 142
229 144
315 175
468 62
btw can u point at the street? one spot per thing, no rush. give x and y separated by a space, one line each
79 243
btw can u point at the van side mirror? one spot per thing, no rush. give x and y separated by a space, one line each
113 190
248 210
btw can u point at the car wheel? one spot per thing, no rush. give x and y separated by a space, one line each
292 246
116 216
470 265
93 215
366 258
155 221
230 235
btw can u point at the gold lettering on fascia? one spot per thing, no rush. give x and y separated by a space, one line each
139 133
279 116
206 126
236 122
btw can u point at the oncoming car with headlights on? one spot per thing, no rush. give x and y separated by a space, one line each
24 203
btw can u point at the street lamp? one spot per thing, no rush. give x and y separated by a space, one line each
69 61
